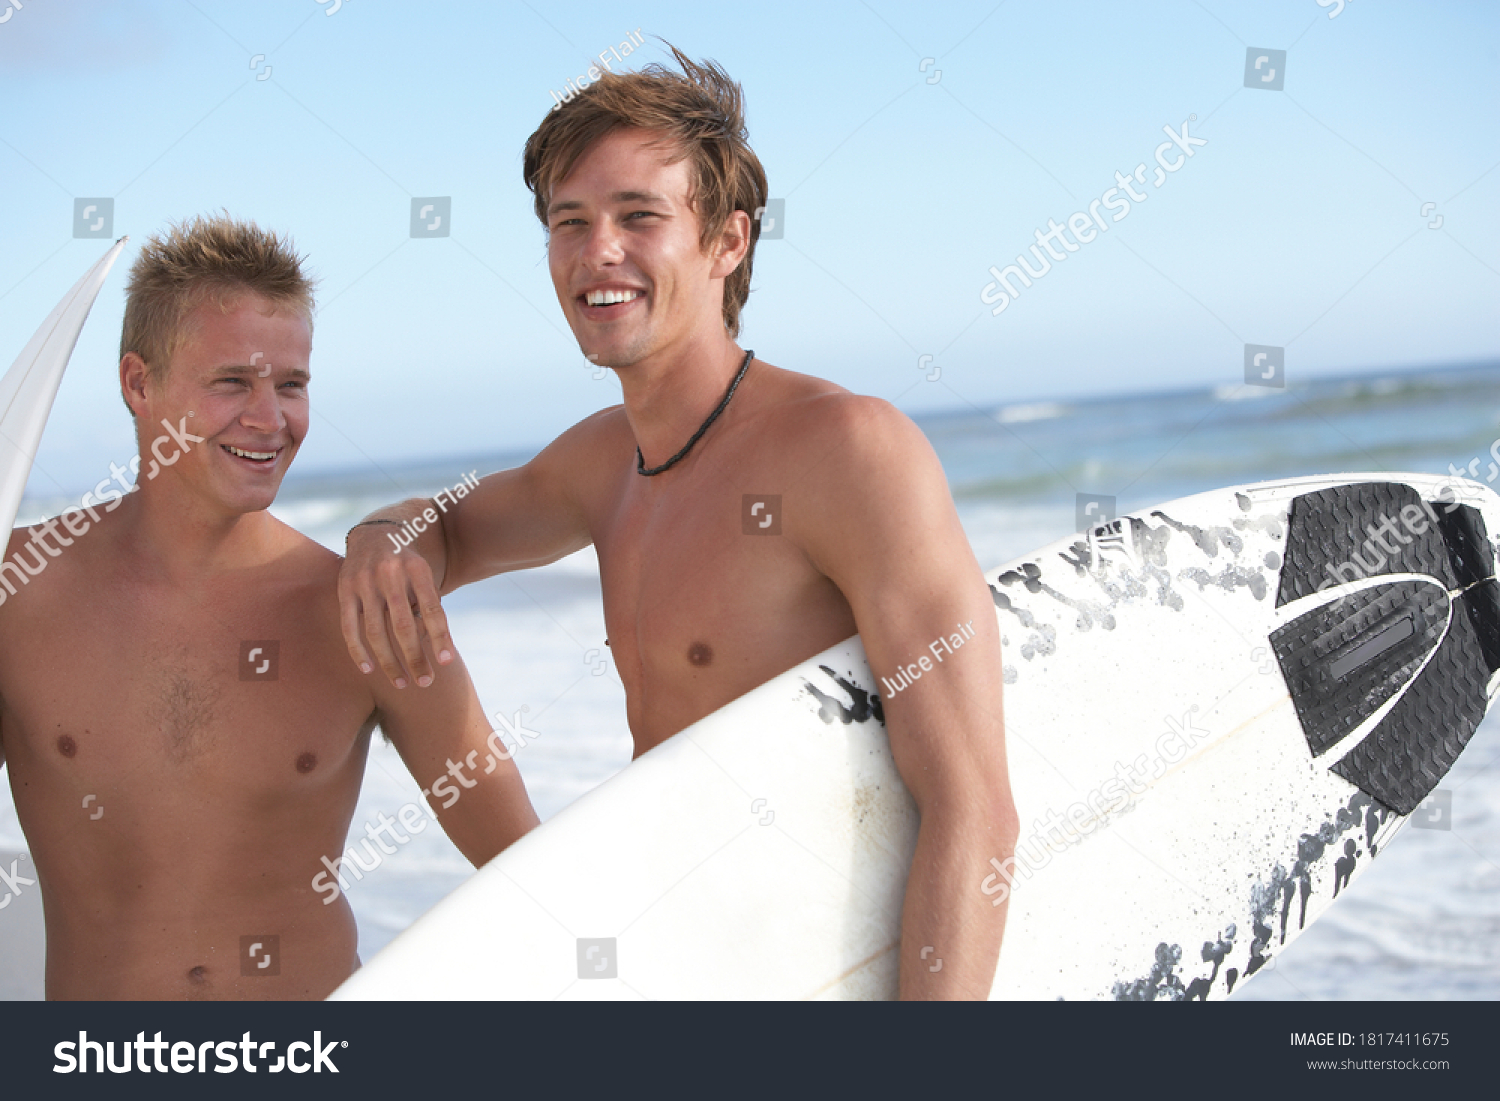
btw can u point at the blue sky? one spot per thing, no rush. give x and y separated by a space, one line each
1300 224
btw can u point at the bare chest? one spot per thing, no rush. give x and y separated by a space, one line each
705 598
225 692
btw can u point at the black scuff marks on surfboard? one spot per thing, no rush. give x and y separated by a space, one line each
863 705
1207 539
1266 897
1229 579
1342 661
1004 603
1343 867
1162 984
1043 637
1270 907
1214 952
1029 576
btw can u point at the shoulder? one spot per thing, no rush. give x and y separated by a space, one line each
585 456
853 464
300 579
305 561
607 429
845 434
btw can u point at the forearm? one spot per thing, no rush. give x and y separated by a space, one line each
950 931
485 822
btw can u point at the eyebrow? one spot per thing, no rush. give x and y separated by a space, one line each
618 197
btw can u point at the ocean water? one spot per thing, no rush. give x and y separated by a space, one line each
1422 922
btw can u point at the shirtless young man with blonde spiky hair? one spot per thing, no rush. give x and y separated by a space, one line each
184 733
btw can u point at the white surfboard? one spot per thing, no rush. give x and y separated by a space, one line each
1218 712
29 387
26 395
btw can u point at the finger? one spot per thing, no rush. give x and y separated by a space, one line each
349 613
403 625
378 634
434 619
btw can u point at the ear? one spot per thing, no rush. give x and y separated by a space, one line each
732 246
133 378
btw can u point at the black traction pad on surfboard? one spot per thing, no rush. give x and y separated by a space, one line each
1415 745
1345 659
1328 539
1342 660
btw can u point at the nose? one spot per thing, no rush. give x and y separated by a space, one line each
605 244
262 413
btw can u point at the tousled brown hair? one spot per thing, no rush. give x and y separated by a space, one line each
698 114
210 257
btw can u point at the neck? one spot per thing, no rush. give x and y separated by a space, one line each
667 399
176 533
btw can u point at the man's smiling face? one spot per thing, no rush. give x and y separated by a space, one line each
624 254
243 373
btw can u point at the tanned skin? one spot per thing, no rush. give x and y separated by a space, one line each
698 612
121 692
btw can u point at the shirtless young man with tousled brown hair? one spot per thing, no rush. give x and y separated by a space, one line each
649 192
184 734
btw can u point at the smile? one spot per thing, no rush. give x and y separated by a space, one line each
254 456
610 298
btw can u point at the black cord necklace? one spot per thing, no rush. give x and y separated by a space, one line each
640 460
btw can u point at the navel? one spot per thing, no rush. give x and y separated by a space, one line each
198 975
307 762
66 745
701 653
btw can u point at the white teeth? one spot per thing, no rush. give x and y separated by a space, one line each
609 298
260 455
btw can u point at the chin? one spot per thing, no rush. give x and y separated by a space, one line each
243 500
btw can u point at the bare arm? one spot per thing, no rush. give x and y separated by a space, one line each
887 535
515 519
468 777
